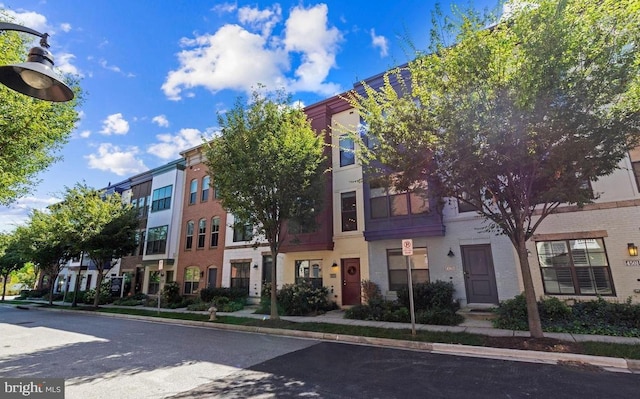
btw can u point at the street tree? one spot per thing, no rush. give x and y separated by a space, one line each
267 165
516 119
44 242
100 226
11 258
32 131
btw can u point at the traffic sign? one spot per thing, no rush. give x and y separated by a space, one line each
407 247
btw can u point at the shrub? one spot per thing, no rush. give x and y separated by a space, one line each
105 294
171 293
440 317
370 291
302 298
127 302
431 295
512 314
234 294
379 310
199 306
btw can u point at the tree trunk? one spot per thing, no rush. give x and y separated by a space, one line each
52 282
535 326
4 285
96 300
274 286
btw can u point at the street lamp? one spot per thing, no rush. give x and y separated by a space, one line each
35 77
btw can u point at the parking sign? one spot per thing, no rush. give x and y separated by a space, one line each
407 247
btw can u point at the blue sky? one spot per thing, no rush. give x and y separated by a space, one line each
156 73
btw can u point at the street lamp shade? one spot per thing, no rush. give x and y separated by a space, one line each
36 77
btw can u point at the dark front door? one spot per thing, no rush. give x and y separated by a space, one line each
213 278
480 279
351 281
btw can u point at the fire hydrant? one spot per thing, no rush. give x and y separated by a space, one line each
212 313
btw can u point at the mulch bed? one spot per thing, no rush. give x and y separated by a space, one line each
535 344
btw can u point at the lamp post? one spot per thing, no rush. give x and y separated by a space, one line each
36 77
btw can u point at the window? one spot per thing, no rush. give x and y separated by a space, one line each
347 150
193 191
154 283
242 232
240 275
202 232
575 267
387 202
204 197
215 231
397 265
463 206
88 286
636 173
349 211
157 240
267 264
309 270
142 207
161 199
142 238
191 280
216 191
189 241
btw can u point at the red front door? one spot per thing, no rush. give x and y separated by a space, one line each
351 281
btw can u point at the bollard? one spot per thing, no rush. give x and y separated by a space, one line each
212 313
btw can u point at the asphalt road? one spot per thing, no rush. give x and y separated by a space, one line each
102 357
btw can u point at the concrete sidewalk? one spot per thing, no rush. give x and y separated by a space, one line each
473 326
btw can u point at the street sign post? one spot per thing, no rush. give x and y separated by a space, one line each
407 251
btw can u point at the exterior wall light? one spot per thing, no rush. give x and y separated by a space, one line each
451 254
633 249
334 264
36 77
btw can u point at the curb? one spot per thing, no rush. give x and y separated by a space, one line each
609 363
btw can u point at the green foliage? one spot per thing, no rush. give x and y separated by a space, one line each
440 317
171 292
379 310
104 296
234 294
267 165
430 295
129 301
301 299
199 306
512 120
370 291
32 131
584 317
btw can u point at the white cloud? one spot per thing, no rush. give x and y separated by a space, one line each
161 121
65 27
239 57
307 32
263 20
85 134
113 159
29 18
114 124
63 63
224 8
105 65
17 214
380 42
170 146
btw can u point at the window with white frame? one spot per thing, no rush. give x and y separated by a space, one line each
309 270
191 280
204 197
193 191
349 211
397 266
202 232
189 240
347 150
575 267
215 230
